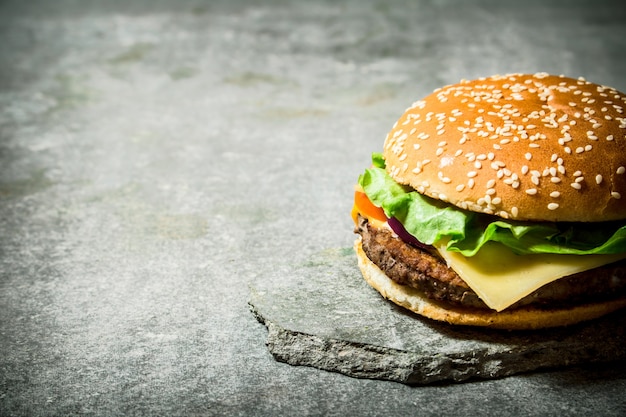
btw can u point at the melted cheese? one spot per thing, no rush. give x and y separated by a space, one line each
501 278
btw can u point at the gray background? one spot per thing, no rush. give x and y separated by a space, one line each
159 159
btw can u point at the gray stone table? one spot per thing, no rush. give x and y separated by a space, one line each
165 163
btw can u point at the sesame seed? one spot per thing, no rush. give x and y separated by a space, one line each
620 170
528 156
576 185
470 183
525 169
555 194
598 179
460 187
555 180
514 211
531 191
616 195
553 206
472 174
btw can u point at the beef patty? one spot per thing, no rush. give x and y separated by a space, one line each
426 271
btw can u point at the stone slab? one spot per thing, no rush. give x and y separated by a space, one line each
328 318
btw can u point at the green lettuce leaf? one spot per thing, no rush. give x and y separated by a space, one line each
432 221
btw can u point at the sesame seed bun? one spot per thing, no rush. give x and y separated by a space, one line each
527 318
528 147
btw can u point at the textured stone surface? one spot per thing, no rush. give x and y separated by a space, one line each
161 159
330 319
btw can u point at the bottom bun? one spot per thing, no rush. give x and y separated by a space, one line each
518 319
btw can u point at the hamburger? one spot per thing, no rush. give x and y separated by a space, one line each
500 202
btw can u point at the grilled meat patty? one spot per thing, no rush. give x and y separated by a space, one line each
429 273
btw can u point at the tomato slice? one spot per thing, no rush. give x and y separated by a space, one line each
366 208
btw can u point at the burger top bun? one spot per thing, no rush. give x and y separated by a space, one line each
528 147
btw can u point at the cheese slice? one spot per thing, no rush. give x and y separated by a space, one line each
501 278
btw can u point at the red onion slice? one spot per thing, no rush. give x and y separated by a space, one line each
399 230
